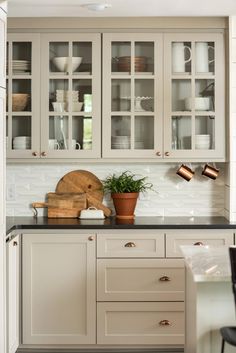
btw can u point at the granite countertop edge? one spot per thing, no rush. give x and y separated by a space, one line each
17 223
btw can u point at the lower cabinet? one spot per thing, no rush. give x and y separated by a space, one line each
13 285
157 323
58 284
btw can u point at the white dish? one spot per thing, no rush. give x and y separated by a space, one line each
91 213
62 62
197 103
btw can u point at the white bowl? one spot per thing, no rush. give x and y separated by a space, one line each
77 106
198 103
62 62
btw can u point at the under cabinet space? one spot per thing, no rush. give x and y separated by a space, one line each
140 323
140 280
130 245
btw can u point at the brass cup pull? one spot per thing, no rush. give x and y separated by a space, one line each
15 243
164 279
167 154
199 243
35 153
158 153
91 238
43 154
164 323
130 245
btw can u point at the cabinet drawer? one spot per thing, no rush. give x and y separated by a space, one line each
140 280
130 245
140 323
194 237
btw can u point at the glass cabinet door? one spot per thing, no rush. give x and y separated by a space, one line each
71 96
22 101
194 89
132 95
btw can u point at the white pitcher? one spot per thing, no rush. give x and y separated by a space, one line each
202 57
178 57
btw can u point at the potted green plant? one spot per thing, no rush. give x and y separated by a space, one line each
125 189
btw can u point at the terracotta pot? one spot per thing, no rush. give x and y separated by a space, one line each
125 204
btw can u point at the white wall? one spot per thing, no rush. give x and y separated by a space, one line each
175 197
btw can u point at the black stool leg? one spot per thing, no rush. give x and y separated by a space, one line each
223 346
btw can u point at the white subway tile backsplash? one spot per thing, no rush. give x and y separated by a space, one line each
173 197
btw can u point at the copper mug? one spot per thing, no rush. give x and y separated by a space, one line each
185 172
210 171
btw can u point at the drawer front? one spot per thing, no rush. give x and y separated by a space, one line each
140 280
130 245
196 237
140 323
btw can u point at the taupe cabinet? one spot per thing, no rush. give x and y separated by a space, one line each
183 120
58 289
162 96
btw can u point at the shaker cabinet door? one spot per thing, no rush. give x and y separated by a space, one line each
194 89
59 302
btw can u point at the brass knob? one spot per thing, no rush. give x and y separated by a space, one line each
167 154
164 323
130 245
158 153
15 243
91 238
43 154
164 279
34 154
199 243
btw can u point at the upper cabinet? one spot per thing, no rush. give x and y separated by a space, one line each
161 95
71 96
194 111
132 95
23 96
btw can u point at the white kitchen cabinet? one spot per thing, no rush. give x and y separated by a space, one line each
194 92
23 96
13 293
198 237
71 95
132 95
58 289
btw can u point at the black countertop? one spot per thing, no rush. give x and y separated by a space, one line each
14 223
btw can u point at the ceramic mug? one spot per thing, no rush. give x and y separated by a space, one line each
202 57
178 57
210 172
185 172
53 144
74 144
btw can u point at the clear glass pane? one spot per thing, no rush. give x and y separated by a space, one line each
144 95
58 95
82 58
81 133
120 132
21 95
181 91
144 57
205 95
181 57
58 132
181 128
21 58
205 57
59 57
144 133
120 57
205 132
82 95
21 132
120 95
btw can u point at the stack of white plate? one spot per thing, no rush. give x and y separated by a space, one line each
202 142
120 142
21 143
20 66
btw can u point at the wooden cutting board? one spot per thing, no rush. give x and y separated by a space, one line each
66 205
82 181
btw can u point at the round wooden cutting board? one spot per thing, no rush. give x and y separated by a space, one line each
79 181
